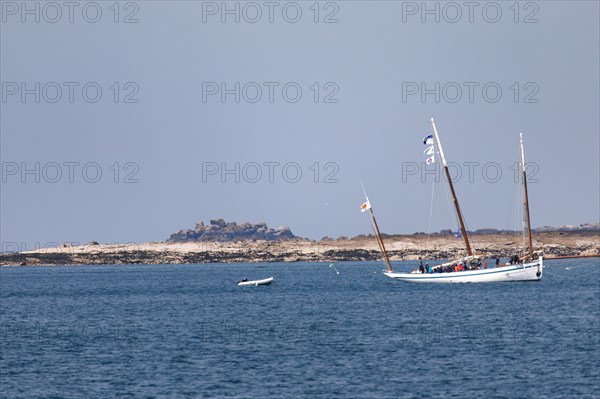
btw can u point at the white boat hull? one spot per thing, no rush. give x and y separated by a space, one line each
265 281
532 271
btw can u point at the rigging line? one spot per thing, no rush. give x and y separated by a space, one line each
457 223
467 231
513 209
521 200
451 212
514 219
441 199
437 206
448 201
439 172
430 213
440 215
431 200
521 196
519 215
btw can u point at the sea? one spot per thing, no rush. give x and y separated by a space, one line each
188 331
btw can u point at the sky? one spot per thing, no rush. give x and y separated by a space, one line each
127 123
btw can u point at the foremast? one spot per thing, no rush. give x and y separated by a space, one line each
380 241
367 206
461 222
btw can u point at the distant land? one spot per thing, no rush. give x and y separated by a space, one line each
229 242
221 231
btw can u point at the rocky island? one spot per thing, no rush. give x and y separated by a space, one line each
230 242
221 231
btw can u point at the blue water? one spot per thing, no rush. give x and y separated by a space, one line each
189 331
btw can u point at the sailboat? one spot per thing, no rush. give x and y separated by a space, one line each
468 269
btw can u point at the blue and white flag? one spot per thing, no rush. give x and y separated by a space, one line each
428 140
428 151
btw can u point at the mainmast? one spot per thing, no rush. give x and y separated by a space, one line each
454 199
526 200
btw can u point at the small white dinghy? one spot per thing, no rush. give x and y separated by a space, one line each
265 281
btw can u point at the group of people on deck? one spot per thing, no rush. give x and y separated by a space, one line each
463 265
515 260
458 267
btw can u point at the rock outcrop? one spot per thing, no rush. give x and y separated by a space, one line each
221 231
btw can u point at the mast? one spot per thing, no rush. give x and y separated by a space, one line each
526 200
380 241
381 249
454 199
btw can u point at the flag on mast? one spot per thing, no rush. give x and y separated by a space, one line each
429 151
365 206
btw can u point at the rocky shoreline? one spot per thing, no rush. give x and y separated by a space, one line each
361 248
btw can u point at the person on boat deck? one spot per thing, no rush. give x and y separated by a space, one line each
429 268
421 268
497 261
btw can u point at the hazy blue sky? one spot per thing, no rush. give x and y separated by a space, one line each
169 129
